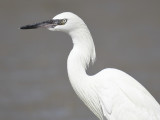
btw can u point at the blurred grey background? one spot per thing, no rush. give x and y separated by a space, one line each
33 77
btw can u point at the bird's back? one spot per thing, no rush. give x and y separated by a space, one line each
123 98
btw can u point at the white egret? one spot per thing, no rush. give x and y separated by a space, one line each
110 94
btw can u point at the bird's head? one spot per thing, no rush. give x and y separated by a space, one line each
66 22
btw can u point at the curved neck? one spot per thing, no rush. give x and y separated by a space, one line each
83 51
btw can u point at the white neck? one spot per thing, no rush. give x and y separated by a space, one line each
82 53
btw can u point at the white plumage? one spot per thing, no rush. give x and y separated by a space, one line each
110 94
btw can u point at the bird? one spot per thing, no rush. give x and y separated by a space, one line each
110 94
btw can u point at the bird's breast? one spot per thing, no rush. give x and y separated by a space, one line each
88 95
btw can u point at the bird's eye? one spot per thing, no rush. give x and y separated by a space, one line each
63 21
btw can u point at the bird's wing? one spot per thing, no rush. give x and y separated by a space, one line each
122 95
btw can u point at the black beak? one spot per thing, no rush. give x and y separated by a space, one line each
46 24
